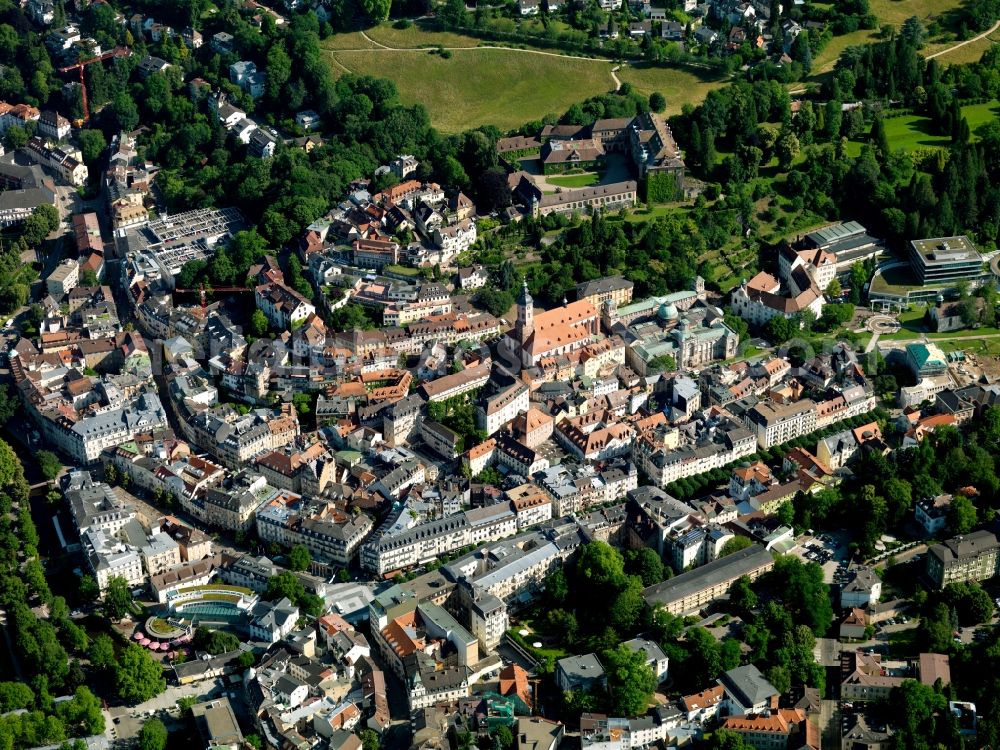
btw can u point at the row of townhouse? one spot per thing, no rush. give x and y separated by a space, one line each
449 386
69 166
446 329
576 487
718 441
88 436
595 436
235 440
689 592
774 423
233 506
332 538
429 541
172 470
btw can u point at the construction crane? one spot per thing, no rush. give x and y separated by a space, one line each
201 291
535 701
79 66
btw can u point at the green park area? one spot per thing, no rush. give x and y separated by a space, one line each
913 132
574 180
474 87
473 84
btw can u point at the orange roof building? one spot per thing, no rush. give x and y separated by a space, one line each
705 704
514 681
774 729
554 332
533 427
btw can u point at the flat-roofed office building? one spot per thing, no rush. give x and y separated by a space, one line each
944 260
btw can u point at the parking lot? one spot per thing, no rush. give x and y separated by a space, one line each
124 722
829 551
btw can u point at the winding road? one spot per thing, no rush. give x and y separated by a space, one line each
939 53
955 46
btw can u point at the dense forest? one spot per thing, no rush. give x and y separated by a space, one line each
41 643
595 602
901 195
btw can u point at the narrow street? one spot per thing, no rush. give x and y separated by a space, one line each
15 662
830 724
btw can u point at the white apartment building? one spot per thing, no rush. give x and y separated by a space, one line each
655 658
328 540
502 407
282 305
663 465
521 572
67 165
63 279
852 402
85 439
160 553
456 238
488 618
819 265
109 558
532 510
761 298
428 541
404 313
272 621
449 386
422 695
95 505
778 423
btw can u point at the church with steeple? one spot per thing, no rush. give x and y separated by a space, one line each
525 325
551 333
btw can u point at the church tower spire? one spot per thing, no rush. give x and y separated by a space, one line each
525 314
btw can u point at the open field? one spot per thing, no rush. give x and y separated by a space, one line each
913 132
897 11
476 87
574 180
968 53
497 86
678 85
348 40
828 56
417 37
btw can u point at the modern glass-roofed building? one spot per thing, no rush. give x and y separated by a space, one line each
926 360
944 260
848 240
